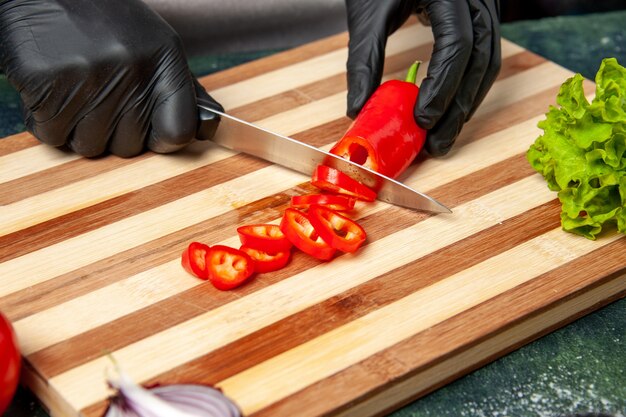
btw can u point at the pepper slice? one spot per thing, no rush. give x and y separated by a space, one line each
193 259
267 262
264 237
296 226
228 267
338 231
333 180
335 202
384 137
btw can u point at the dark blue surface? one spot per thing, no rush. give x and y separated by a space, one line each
578 369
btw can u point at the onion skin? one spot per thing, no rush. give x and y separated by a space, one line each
176 400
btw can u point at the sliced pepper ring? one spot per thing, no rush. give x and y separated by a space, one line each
332 201
267 262
264 237
296 226
333 180
193 259
338 231
228 267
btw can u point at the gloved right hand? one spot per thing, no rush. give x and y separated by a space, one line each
99 76
465 61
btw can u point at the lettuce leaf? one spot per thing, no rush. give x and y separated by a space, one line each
582 152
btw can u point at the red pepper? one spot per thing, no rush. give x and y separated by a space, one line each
194 259
335 202
384 137
338 231
10 363
228 267
267 262
264 237
333 180
301 233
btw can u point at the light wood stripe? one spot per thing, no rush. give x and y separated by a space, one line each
285 374
58 176
31 160
250 313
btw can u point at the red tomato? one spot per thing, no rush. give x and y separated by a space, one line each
338 231
193 259
228 267
335 202
264 237
298 229
333 180
267 262
10 362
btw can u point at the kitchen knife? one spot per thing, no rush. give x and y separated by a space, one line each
242 136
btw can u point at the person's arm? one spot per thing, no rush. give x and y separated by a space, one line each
464 64
99 76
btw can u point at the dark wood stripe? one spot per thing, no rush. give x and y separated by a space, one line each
59 176
82 347
274 62
17 142
520 62
399 362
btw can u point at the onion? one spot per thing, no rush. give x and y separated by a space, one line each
176 400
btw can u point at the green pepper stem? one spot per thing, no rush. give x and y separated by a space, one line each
411 76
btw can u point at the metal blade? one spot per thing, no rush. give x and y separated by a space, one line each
242 136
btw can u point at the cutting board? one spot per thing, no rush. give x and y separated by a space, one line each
90 266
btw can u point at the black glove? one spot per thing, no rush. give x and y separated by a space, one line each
465 61
99 75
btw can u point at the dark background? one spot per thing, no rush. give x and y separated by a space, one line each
512 10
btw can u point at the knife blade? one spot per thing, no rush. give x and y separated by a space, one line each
242 136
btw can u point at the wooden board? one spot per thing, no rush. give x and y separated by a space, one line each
89 254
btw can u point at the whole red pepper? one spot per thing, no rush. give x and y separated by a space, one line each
384 137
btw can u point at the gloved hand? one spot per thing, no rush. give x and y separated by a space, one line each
464 64
99 76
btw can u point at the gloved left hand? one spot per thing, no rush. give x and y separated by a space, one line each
99 75
464 64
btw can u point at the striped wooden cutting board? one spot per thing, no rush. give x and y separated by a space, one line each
89 254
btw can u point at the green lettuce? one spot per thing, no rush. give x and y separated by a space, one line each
582 152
